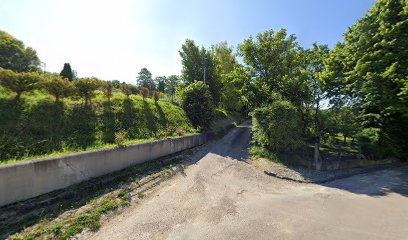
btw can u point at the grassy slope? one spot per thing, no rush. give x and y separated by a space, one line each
38 127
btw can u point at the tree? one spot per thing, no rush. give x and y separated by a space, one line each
171 84
314 77
126 89
144 79
369 71
199 64
67 72
58 87
274 61
116 84
108 89
226 61
20 82
197 102
86 88
161 83
156 96
144 92
14 55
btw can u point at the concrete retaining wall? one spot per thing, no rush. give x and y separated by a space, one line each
32 178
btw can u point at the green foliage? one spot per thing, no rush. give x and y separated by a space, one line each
67 72
126 89
277 127
20 82
108 89
144 92
161 83
86 88
196 100
120 138
369 70
144 79
15 56
58 87
274 60
199 64
37 125
370 143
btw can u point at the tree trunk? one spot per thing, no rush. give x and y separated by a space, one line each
345 139
18 96
317 157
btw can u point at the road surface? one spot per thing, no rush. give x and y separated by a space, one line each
222 196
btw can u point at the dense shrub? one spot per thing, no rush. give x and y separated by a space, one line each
196 100
277 127
373 144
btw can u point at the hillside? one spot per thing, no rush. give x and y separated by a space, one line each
37 125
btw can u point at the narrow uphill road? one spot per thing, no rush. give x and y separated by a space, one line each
221 196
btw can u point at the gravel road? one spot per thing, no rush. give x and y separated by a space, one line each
222 196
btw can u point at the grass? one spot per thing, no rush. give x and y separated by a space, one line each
37 126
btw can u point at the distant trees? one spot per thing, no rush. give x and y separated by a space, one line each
161 83
20 82
67 72
144 79
14 55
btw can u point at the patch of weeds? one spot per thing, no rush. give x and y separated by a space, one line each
140 195
107 205
57 229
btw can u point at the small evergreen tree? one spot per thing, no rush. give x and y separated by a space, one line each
67 72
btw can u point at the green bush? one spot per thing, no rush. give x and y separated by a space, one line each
277 127
196 100
373 144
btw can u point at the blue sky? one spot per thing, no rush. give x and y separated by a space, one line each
114 39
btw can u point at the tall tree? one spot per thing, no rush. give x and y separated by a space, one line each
199 64
144 79
274 61
161 83
370 68
67 72
14 55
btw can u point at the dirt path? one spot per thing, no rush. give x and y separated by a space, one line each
221 196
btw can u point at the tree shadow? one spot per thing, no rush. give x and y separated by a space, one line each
82 123
162 117
128 118
151 119
33 130
108 123
11 112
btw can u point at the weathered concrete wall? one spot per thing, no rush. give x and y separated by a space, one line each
32 178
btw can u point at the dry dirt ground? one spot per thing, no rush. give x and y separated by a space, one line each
222 196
